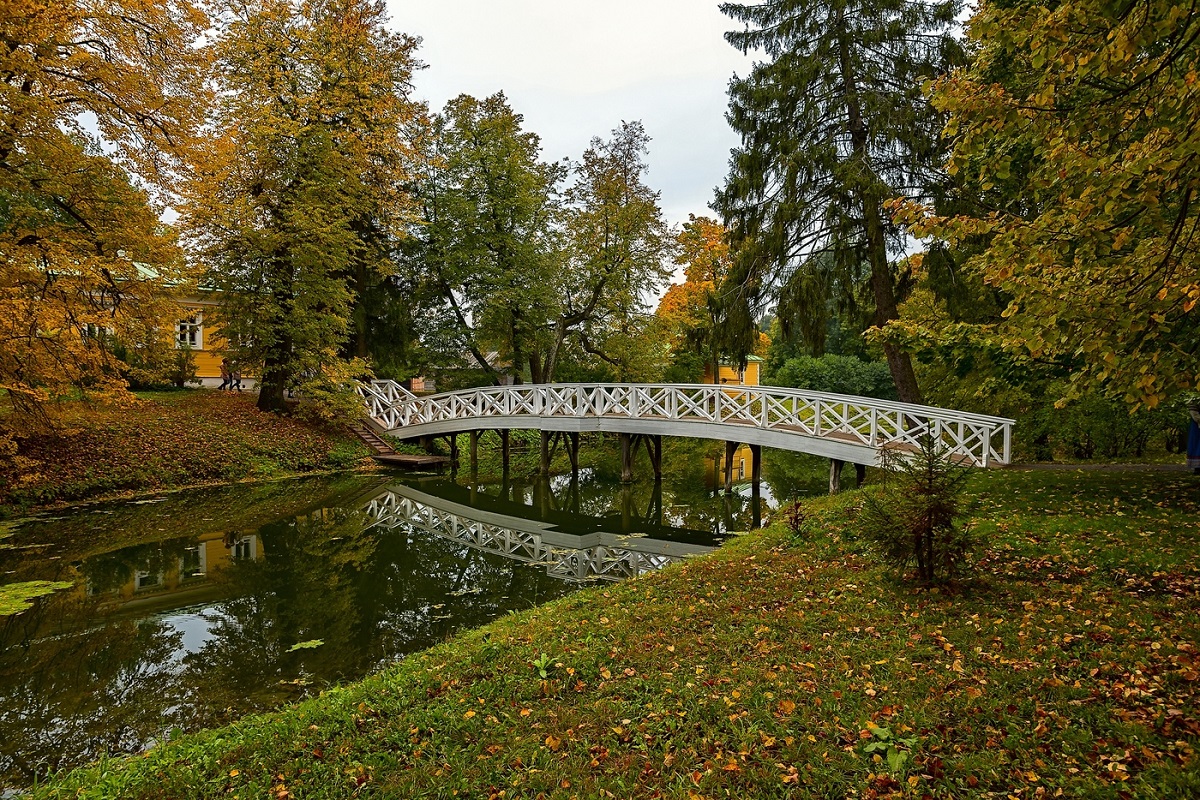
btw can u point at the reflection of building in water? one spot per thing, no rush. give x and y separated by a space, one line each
569 557
176 581
714 468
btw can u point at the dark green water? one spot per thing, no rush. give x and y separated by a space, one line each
186 610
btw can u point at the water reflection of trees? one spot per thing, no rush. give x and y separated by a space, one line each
106 669
77 682
691 488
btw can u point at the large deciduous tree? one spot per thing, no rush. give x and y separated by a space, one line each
299 199
1076 130
90 90
620 249
833 125
529 271
690 311
489 242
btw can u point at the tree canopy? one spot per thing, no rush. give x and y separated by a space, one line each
833 124
1075 141
74 225
301 198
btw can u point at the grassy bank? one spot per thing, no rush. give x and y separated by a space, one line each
167 440
783 667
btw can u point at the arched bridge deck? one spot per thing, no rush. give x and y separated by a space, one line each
843 428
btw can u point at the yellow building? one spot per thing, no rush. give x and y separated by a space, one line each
196 329
730 375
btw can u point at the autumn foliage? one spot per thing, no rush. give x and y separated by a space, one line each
74 226
172 439
1075 130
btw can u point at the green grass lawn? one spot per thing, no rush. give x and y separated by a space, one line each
783 667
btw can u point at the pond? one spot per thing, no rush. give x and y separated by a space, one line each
192 609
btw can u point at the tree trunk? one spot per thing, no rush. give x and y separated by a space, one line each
273 383
899 363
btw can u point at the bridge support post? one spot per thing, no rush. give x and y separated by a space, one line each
654 449
730 452
835 475
474 436
654 514
755 466
452 440
504 449
627 512
860 475
544 461
573 452
626 457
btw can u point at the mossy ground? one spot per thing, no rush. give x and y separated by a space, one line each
783 667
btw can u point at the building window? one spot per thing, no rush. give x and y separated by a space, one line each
244 549
98 332
148 580
191 565
189 332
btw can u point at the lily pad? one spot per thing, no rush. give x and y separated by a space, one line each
16 597
309 645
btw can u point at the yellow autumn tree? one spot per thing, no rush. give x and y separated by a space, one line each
688 310
1075 141
92 92
297 204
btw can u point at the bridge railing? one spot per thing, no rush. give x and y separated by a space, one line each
576 564
981 439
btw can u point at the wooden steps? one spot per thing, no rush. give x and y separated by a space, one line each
384 453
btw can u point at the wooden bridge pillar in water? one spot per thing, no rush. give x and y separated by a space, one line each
571 442
504 452
474 438
629 448
544 460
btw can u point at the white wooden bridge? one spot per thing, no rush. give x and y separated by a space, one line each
589 557
841 428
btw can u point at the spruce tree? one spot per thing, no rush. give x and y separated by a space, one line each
834 123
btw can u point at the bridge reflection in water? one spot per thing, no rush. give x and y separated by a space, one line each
572 547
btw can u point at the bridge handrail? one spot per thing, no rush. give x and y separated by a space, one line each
872 422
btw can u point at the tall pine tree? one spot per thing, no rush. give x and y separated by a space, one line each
833 124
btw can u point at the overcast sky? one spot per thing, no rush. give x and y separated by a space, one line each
576 68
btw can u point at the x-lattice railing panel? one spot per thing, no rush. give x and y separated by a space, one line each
602 562
859 421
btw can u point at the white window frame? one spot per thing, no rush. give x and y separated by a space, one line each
190 331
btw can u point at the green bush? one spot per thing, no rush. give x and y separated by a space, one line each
1095 427
911 517
836 374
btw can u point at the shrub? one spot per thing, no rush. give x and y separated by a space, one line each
911 516
837 374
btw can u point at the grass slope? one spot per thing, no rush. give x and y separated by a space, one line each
166 440
782 667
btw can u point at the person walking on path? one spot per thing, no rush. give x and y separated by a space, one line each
236 377
1193 444
226 375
